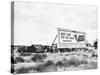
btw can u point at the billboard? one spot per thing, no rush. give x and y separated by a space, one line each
71 39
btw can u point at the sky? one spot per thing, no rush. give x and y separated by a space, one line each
37 23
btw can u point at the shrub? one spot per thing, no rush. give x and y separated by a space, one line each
31 49
44 56
46 67
22 49
19 59
59 63
49 66
40 68
83 62
66 54
36 57
66 62
49 62
73 62
94 55
85 56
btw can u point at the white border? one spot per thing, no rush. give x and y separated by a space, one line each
5 35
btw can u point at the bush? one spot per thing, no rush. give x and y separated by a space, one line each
66 54
66 62
44 56
22 49
70 62
83 62
40 68
49 66
94 55
73 62
59 63
19 59
31 49
49 62
38 57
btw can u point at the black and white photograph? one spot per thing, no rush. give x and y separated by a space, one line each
53 37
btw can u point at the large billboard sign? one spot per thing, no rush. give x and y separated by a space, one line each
71 39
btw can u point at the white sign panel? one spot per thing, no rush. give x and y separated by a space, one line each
71 39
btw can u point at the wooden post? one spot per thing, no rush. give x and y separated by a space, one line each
53 42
